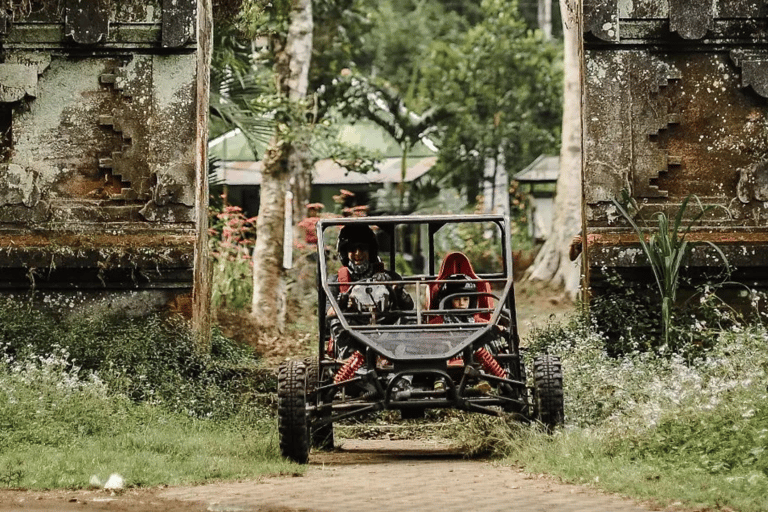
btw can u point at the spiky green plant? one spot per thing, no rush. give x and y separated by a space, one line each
667 251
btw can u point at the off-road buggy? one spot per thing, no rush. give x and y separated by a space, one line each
373 357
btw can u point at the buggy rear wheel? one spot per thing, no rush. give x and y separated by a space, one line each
292 424
548 391
322 435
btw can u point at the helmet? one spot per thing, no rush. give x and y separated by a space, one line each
460 283
352 234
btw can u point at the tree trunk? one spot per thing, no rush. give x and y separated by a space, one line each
545 18
299 48
300 163
268 273
201 292
292 58
552 263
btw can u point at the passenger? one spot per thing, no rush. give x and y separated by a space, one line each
460 283
459 276
358 252
457 264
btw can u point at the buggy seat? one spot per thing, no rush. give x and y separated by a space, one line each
458 263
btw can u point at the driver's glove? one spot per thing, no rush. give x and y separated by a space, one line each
343 300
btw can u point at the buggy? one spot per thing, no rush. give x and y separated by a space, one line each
372 357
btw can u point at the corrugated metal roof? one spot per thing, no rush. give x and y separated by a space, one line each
327 172
233 145
544 168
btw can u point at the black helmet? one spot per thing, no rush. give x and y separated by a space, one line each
460 283
352 234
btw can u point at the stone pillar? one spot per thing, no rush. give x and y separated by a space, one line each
100 161
676 103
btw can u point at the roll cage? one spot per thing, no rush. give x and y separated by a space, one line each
416 336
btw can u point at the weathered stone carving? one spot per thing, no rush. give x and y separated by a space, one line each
19 186
676 103
19 73
691 19
754 69
87 21
601 18
178 22
753 183
98 140
129 118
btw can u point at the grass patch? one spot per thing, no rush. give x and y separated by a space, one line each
170 449
589 458
96 396
652 426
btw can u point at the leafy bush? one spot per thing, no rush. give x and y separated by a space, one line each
148 359
632 392
732 436
107 394
628 317
44 400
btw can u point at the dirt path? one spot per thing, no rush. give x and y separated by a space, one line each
399 476
364 475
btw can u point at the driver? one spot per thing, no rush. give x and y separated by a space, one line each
359 254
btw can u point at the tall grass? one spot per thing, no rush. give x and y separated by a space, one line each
667 251
651 425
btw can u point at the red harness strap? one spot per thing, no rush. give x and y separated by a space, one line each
344 277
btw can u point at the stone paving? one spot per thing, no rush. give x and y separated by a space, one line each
400 476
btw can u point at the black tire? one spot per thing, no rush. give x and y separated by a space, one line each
292 424
322 435
548 391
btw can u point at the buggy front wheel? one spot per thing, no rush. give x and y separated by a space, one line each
548 391
292 425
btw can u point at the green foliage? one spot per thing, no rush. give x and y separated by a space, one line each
663 427
44 401
240 91
95 395
611 311
667 251
732 438
395 44
502 84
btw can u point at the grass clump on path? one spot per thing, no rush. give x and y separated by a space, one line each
95 396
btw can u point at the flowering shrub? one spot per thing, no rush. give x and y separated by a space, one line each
147 360
636 391
231 238
48 400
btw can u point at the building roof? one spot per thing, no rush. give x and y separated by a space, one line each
233 145
327 172
546 168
